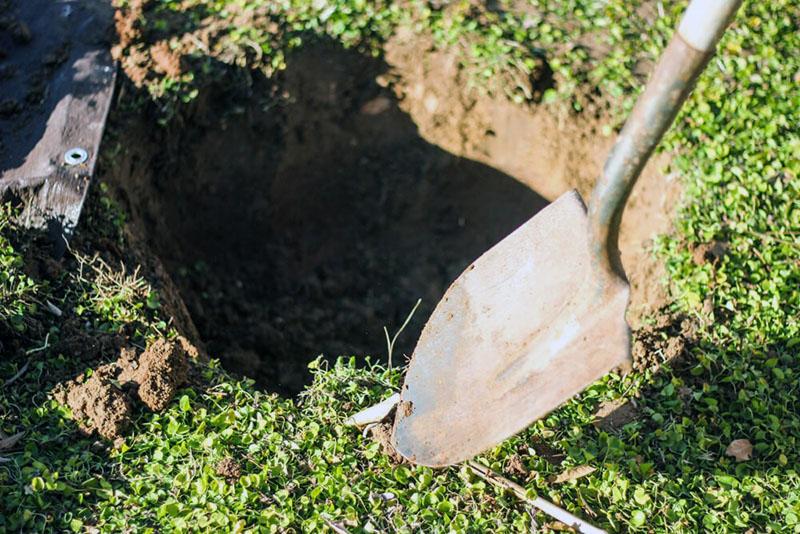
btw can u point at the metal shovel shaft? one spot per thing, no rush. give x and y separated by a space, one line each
672 81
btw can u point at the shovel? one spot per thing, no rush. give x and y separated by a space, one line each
541 315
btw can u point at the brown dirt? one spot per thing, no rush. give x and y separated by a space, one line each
127 23
86 346
165 60
667 340
709 252
104 402
157 373
98 404
229 469
613 415
516 467
301 216
382 433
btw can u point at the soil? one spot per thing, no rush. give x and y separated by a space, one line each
89 347
613 415
104 403
229 469
516 467
98 404
165 60
156 374
303 215
667 340
382 433
709 252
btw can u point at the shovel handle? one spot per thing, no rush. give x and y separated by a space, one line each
686 56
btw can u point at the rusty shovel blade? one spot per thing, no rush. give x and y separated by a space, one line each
528 325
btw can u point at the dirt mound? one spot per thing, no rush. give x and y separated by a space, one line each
98 404
229 469
156 374
104 402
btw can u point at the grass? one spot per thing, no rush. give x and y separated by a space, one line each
302 469
16 288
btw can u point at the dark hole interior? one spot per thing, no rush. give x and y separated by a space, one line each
303 227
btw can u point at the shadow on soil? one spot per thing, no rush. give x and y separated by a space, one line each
302 216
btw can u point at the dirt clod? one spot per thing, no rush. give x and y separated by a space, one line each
676 346
104 402
516 467
192 352
98 403
666 340
158 373
229 469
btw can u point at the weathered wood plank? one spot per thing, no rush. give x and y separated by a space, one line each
56 83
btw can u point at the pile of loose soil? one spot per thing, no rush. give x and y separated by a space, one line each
666 340
305 214
104 403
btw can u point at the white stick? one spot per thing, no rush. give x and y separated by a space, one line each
375 413
545 506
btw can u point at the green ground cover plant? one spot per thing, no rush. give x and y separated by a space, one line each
299 468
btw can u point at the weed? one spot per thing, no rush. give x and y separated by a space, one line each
17 289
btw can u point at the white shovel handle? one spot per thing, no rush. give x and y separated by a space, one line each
704 21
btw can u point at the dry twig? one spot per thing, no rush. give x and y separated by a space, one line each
540 504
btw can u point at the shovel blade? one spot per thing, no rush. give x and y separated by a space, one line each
527 326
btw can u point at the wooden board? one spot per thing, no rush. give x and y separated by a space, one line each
56 83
